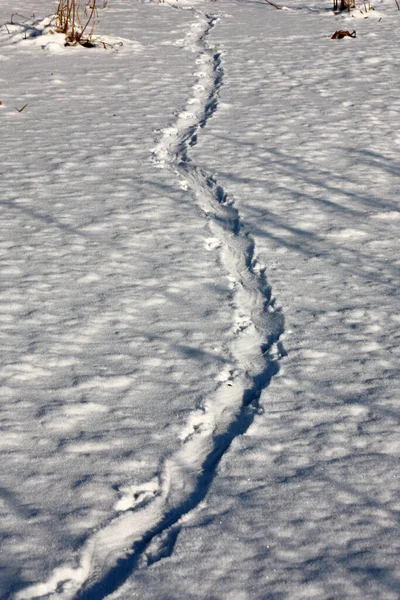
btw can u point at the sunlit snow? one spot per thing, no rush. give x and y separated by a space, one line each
199 303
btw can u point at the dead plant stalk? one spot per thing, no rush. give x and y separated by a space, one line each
76 20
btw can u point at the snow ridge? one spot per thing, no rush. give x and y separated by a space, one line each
149 516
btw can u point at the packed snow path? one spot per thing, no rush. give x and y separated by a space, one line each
151 512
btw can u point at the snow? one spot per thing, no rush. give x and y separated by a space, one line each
199 313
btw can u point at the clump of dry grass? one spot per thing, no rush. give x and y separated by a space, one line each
343 5
77 21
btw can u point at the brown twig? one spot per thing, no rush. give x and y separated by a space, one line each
19 15
93 12
275 5
76 19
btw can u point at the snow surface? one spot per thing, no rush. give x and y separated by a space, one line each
198 310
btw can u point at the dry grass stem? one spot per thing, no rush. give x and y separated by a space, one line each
76 20
274 5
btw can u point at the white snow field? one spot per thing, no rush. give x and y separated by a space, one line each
199 315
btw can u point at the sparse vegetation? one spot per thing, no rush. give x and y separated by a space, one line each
77 20
341 33
343 5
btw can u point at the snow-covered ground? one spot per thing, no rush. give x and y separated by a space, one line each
198 310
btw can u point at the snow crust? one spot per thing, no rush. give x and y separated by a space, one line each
199 311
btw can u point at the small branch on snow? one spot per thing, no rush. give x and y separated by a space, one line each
23 16
275 5
341 33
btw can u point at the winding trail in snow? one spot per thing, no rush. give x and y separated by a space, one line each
148 517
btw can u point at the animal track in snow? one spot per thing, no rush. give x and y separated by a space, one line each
136 495
147 525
